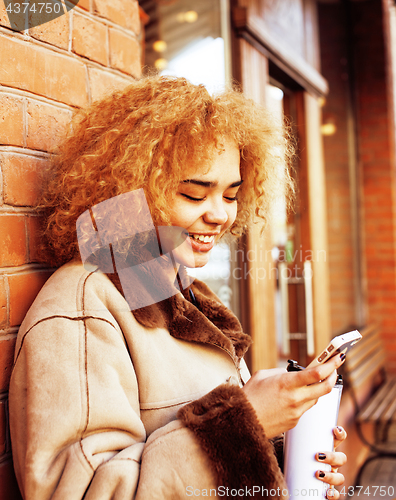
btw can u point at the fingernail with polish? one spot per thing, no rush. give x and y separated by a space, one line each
321 456
343 356
321 474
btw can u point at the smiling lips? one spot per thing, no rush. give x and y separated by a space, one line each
202 238
202 242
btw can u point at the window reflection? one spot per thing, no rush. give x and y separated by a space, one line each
186 38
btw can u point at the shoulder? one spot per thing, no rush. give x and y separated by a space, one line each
73 291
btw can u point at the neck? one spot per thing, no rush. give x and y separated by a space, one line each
171 270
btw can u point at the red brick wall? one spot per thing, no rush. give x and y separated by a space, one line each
45 73
376 145
376 163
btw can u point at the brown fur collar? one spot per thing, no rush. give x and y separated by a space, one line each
211 322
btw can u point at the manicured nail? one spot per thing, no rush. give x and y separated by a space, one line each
343 356
321 456
321 474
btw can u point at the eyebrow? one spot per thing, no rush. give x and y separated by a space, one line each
209 184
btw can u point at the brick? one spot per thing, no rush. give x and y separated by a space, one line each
7 349
34 224
11 121
42 71
122 12
134 23
23 290
3 304
124 53
46 125
21 178
13 240
55 32
4 21
83 4
103 83
3 427
8 483
90 39
1 186
3 15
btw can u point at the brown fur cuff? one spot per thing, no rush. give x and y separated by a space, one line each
277 443
228 430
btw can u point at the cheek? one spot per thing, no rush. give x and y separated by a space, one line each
232 213
183 214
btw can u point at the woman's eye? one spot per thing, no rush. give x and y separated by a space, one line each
191 198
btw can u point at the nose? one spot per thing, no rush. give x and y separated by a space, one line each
216 214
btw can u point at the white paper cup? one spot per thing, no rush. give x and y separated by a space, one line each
312 434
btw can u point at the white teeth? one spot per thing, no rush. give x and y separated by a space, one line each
203 238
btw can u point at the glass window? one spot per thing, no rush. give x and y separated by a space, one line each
188 38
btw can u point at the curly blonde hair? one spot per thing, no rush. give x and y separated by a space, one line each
143 137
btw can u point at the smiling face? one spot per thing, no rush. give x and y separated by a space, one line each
205 204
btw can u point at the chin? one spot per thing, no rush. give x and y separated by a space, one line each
191 261
201 262
193 264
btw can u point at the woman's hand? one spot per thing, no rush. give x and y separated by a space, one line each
279 400
335 459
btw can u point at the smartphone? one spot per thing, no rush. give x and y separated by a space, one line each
339 344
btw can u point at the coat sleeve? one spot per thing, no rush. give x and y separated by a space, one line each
76 429
74 411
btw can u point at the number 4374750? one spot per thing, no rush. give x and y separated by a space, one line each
36 7
382 491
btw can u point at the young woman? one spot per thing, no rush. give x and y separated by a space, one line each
127 377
